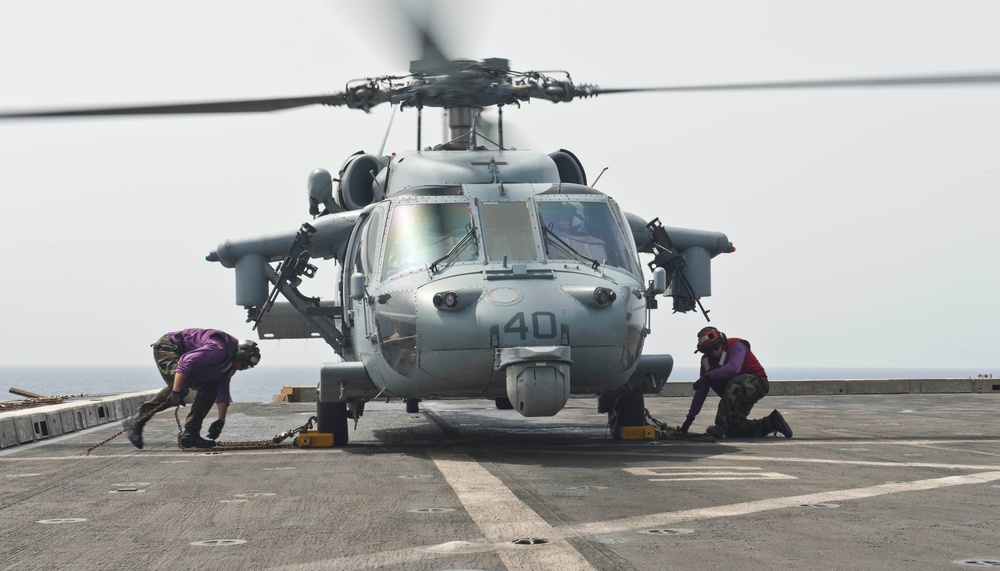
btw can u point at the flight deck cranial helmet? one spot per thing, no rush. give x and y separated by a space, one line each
248 353
709 338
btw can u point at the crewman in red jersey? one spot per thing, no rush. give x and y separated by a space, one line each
729 368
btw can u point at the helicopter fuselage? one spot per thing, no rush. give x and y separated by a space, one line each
473 274
440 317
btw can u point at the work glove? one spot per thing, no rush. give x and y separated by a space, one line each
700 383
175 398
687 424
215 429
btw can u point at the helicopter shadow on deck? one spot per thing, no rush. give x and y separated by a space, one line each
515 441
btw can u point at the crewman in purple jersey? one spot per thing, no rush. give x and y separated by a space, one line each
200 359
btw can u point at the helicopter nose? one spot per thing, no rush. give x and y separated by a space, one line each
473 325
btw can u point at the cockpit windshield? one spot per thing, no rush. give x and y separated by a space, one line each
584 231
507 231
420 234
435 235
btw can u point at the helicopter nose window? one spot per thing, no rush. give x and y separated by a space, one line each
587 230
507 231
419 234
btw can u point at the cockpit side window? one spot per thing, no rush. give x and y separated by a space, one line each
369 244
419 234
507 231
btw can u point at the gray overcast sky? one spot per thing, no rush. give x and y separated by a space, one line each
864 220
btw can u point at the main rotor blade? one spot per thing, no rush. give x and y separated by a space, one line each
433 59
246 106
916 80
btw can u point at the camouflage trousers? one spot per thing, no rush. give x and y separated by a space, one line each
742 392
166 354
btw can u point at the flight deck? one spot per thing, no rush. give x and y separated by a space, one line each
867 482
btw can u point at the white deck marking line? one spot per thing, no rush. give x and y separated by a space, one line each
857 462
845 440
730 477
503 517
981 452
745 508
695 474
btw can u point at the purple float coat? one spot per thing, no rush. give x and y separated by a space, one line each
207 356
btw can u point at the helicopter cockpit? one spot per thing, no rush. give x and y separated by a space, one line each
468 227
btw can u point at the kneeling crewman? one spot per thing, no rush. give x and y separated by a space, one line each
729 368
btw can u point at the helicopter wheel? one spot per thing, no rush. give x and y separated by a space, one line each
504 403
331 418
412 405
630 410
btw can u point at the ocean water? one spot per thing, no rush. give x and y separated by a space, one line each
260 385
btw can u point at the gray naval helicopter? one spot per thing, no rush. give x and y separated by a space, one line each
472 270
469 269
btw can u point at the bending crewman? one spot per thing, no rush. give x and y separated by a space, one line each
200 359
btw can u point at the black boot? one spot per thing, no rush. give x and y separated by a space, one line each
778 424
191 439
135 432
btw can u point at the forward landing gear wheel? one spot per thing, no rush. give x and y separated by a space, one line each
412 405
331 418
630 410
504 403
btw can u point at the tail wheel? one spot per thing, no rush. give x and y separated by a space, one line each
630 410
331 418
412 405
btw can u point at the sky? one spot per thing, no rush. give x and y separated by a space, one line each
864 219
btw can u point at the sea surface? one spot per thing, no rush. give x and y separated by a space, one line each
260 385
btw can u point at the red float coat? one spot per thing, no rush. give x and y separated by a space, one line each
736 359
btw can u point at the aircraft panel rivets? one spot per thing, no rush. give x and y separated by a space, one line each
218 542
431 510
63 520
667 531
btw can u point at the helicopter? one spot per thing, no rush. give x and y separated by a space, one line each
471 269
